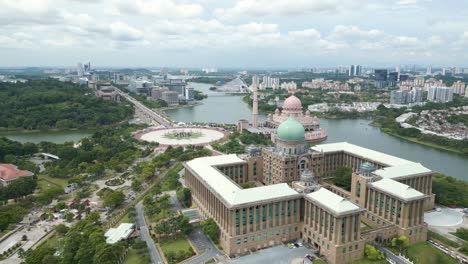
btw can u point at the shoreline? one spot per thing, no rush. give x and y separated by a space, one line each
428 144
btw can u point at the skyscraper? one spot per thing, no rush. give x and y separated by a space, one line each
393 79
380 77
354 70
440 94
429 70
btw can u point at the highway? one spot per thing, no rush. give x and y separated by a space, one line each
145 235
147 111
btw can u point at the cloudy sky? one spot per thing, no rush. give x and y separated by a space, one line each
241 34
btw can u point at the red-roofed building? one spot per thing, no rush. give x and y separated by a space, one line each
9 173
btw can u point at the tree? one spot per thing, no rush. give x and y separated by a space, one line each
94 217
400 243
343 178
211 229
60 205
24 238
69 217
113 199
61 229
185 197
373 254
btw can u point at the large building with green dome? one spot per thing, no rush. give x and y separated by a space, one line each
293 200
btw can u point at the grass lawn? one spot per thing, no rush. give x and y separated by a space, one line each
135 257
442 239
425 253
367 261
176 245
58 181
319 261
8 229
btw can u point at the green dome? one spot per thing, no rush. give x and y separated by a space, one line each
291 130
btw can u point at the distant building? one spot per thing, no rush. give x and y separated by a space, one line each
10 172
440 94
141 86
380 78
354 70
108 93
176 85
402 97
419 82
459 87
403 77
156 93
392 79
269 82
170 97
255 80
189 94
429 70
289 85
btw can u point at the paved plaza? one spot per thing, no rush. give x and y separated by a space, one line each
444 217
182 136
274 255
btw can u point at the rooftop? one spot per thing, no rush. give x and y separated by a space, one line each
333 201
11 172
373 155
405 170
234 195
397 189
114 235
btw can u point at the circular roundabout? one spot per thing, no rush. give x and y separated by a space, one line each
182 136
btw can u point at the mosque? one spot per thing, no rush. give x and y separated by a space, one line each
293 199
292 107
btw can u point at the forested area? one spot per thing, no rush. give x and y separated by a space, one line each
450 191
239 141
51 104
109 148
83 243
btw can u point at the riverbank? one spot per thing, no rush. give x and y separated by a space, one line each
429 144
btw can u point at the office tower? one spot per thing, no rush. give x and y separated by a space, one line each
392 79
403 77
354 70
189 93
429 70
79 69
380 78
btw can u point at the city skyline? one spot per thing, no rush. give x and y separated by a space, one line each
226 34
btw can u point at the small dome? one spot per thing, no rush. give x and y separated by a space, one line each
291 130
367 167
292 102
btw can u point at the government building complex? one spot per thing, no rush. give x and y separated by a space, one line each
292 201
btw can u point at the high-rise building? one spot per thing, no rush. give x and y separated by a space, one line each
189 93
440 94
399 97
354 70
255 80
392 79
459 87
429 70
269 82
380 77
419 82
416 95
79 69
170 97
403 77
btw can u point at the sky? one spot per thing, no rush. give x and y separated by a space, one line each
233 34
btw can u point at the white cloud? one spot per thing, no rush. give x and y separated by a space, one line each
158 8
256 8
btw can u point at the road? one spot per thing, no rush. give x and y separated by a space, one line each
396 259
145 235
199 240
153 115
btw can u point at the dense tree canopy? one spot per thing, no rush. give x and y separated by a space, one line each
450 191
50 104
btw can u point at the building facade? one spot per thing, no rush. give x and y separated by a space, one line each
292 202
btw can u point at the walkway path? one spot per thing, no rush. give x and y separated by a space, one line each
202 243
145 235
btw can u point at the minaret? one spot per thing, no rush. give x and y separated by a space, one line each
255 106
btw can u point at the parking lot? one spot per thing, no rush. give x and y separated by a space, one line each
275 255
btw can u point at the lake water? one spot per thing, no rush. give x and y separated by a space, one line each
229 109
57 137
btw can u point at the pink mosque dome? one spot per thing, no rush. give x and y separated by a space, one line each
292 102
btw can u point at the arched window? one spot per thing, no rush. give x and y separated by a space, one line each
302 165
